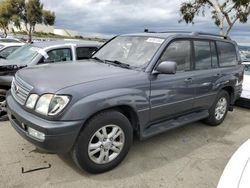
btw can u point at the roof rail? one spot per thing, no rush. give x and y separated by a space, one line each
211 34
191 33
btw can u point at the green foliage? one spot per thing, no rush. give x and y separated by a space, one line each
48 17
29 12
225 14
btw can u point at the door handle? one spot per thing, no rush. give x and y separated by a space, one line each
188 80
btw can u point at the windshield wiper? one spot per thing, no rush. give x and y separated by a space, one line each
98 59
120 64
1 57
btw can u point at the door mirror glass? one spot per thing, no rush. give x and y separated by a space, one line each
167 67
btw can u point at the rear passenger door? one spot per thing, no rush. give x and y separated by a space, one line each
207 73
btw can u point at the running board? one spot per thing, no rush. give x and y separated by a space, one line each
173 123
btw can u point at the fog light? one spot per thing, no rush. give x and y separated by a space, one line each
36 134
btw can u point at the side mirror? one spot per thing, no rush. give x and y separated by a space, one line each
166 67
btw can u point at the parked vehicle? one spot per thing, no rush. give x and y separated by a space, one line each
244 100
7 48
10 40
237 172
144 83
37 54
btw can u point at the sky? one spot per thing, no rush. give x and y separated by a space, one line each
106 18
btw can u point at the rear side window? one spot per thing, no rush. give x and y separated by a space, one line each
203 58
180 52
84 52
227 54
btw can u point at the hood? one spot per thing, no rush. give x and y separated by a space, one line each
54 77
8 67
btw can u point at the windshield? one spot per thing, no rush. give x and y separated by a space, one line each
24 55
245 53
131 50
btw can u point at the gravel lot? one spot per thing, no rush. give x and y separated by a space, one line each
193 156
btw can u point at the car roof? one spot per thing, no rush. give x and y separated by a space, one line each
46 44
184 34
6 44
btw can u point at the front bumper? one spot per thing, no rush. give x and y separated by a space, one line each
59 135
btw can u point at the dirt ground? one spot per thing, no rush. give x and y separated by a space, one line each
193 156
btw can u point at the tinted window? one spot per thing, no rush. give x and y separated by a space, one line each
202 55
7 51
84 52
59 55
227 54
178 51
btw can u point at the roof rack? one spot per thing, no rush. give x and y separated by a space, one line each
191 33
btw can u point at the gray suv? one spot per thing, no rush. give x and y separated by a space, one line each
136 85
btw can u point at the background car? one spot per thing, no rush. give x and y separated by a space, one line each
37 54
7 48
244 100
237 172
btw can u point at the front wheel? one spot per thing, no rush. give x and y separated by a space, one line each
218 111
103 143
3 111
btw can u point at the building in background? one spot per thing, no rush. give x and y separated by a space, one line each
47 29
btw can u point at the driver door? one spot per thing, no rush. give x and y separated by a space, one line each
173 94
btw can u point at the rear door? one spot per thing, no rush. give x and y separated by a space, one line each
207 73
173 94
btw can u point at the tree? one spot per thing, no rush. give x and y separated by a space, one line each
224 13
48 17
6 15
30 13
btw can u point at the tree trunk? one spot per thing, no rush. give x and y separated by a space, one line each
5 33
30 34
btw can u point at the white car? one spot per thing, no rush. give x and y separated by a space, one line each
7 48
237 172
244 100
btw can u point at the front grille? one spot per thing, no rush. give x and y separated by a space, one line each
20 90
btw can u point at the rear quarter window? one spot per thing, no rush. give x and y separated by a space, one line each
227 54
84 52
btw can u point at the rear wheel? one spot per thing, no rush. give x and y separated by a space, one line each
219 110
103 143
3 111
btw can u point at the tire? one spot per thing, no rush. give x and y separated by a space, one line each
110 120
3 112
214 119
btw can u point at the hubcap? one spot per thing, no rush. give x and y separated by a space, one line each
106 144
220 109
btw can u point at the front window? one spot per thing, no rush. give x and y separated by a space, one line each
131 50
24 55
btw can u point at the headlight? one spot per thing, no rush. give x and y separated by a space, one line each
49 104
31 102
57 104
42 105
